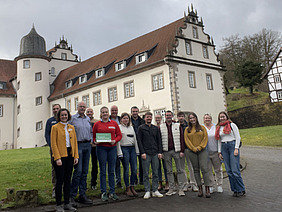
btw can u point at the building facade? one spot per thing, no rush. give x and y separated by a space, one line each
172 68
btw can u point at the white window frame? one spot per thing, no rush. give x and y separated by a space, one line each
18 109
209 81
188 44
195 32
1 110
100 72
112 94
277 79
161 112
18 132
120 66
82 79
140 58
85 99
64 56
53 71
68 84
26 64
192 79
68 105
75 103
279 94
128 89
38 126
205 52
157 82
38 100
97 98
38 76
18 85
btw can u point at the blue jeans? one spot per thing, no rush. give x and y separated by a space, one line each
129 157
232 166
79 177
107 155
161 161
154 162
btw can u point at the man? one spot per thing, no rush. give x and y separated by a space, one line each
94 172
114 116
158 120
150 147
183 123
83 132
50 122
173 147
136 121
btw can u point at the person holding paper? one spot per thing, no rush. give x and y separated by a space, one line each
106 134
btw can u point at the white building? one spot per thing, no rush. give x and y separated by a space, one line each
172 68
274 78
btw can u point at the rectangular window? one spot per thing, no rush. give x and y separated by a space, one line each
157 81
82 79
19 109
97 98
141 58
69 105
279 94
112 93
38 76
128 89
85 99
191 78
18 132
38 125
205 52
209 81
195 32
68 84
1 110
38 100
100 73
161 112
75 103
64 56
188 47
277 79
19 84
120 66
26 64
1 85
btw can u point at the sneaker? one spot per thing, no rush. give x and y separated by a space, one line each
219 189
104 197
212 189
84 200
113 196
157 194
53 194
181 193
69 207
72 202
94 187
147 195
186 187
195 188
60 208
170 192
240 194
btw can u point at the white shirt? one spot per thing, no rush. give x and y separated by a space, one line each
212 142
234 135
67 134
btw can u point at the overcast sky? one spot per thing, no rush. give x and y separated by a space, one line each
94 26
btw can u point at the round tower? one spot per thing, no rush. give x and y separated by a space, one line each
32 91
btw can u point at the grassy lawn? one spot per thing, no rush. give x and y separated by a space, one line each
240 97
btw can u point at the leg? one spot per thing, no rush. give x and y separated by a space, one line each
217 168
140 170
209 164
133 165
102 155
155 167
125 163
85 165
168 163
117 172
59 183
180 173
190 168
203 158
67 178
77 173
94 171
112 156
146 167
196 166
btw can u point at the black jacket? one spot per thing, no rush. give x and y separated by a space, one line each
137 123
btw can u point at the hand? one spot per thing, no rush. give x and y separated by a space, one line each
181 154
59 162
160 156
93 144
236 152
220 156
197 149
113 142
143 156
75 161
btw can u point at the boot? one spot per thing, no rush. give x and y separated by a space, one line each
160 187
208 194
166 186
200 192
133 191
128 192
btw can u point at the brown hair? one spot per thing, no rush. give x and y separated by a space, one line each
198 127
218 119
148 114
59 113
123 115
180 113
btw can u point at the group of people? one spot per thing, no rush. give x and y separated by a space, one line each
124 139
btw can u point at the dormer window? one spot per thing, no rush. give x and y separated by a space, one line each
195 32
141 58
82 79
120 65
2 85
68 84
64 56
100 72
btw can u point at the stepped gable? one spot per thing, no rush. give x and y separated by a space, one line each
162 41
8 70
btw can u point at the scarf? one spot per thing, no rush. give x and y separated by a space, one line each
226 129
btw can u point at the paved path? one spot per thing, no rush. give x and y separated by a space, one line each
262 178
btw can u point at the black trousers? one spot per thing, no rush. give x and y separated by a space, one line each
94 171
63 178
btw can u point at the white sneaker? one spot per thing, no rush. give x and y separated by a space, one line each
211 189
170 192
219 189
147 195
195 188
186 186
157 194
181 193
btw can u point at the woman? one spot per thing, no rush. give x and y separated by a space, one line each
106 151
196 140
213 160
128 150
228 137
65 154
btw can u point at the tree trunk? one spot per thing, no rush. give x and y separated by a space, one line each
251 89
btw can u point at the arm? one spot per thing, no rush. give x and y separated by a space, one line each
48 132
236 134
159 140
182 142
204 140
76 155
188 141
94 132
54 146
135 142
139 140
118 135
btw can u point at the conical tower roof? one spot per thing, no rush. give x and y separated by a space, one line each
32 44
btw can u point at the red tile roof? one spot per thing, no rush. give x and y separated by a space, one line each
163 37
8 70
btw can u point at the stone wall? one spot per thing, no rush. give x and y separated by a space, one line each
257 115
